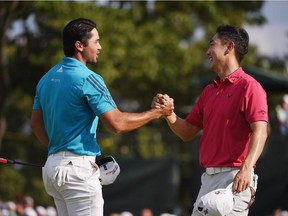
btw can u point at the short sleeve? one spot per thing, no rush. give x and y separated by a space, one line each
195 116
255 103
97 95
36 103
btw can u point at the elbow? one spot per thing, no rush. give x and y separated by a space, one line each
116 129
33 125
265 136
120 126
112 126
185 139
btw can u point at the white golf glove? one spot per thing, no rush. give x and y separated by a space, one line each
61 175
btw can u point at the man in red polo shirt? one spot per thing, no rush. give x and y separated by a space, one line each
232 113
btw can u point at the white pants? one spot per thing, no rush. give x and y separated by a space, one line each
81 192
222 180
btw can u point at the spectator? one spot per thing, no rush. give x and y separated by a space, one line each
282 115
1 207
146 212
126 213
20 210
41 211
167 214
114 214
51 211
29 206
11 207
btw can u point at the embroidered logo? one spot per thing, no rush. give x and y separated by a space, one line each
60 69
262 112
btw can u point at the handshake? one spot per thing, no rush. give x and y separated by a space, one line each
163 103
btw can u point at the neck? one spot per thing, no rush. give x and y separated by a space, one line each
228 69
225 73
79 57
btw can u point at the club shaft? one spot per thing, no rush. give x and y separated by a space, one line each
26 164
7 161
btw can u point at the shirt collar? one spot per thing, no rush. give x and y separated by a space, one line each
232 78
73 61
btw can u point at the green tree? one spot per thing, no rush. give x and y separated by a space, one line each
7 13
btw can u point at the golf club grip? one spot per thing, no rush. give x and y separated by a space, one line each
2 160
7 161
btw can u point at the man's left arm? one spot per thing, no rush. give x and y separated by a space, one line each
37 124
259 135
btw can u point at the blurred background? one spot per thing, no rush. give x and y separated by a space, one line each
147 47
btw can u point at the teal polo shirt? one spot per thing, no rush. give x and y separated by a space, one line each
71 97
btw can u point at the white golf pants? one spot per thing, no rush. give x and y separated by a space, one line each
73 182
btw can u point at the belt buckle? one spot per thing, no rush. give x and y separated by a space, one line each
210 171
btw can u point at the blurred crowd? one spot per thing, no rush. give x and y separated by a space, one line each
144 212
25 207
280 212
282 116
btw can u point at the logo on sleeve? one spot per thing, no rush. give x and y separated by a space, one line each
262 112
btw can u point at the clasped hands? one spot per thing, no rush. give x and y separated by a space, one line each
164 102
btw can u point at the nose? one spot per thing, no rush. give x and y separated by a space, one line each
208 52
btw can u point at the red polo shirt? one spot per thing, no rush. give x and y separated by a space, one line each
225 111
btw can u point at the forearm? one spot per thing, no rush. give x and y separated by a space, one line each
38 127
181 128
131 121
256 146
243 178
119 122
42 136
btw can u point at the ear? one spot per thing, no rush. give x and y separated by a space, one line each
230 47
79 46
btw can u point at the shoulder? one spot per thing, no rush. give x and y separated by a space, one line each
49 73
94 79
249 81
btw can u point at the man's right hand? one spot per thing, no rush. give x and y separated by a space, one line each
163 102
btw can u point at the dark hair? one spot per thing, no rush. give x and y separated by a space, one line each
76 30
237 35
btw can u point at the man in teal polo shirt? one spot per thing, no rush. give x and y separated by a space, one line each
70 99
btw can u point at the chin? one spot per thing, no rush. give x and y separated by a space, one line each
211 66
92 62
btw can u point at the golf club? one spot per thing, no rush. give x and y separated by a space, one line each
8 161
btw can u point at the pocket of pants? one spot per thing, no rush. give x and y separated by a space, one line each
83 173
